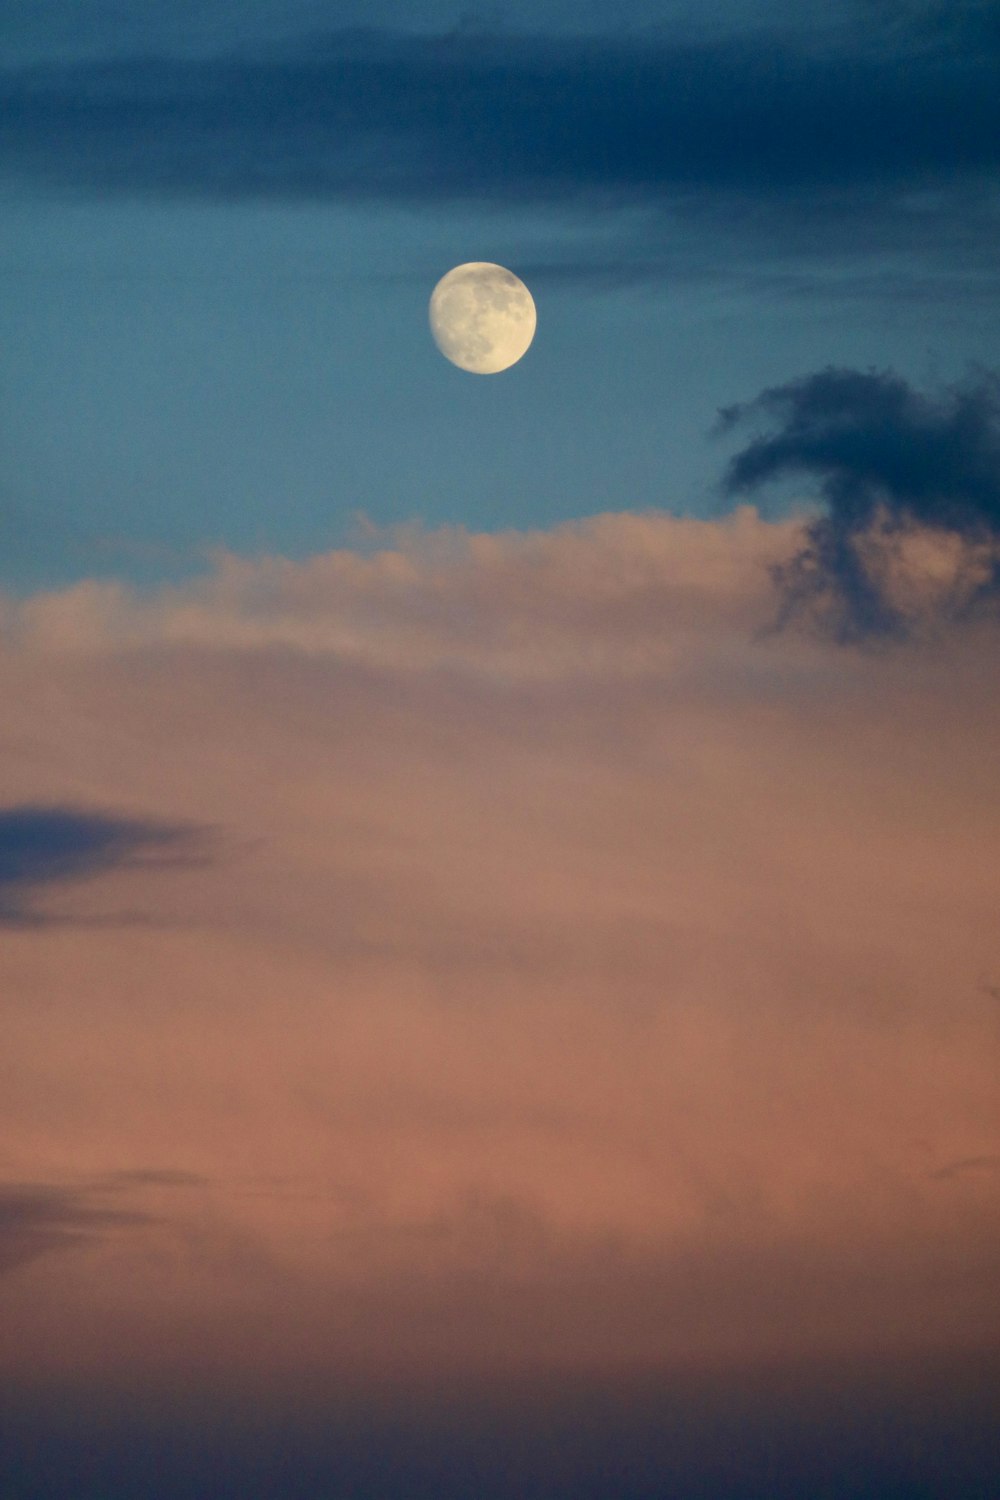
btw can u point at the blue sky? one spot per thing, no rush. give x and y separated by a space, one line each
215 334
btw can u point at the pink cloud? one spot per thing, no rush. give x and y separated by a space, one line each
582 971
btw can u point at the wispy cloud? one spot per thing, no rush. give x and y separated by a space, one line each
810 153
911 486
368 114
38 1218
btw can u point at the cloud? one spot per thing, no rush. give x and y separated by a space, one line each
36 1219
42 847
601 987
367 114
612 593
911 486
752 152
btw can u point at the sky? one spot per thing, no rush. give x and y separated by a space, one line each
499 948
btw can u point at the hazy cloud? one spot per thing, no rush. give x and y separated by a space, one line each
911 485
602 985
37 1218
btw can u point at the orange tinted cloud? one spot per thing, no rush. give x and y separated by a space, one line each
576 971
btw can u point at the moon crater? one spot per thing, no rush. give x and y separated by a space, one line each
482 317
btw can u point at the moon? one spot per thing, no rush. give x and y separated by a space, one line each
482 317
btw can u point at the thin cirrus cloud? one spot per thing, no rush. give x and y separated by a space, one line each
602 985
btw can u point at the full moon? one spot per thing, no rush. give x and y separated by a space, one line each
482 317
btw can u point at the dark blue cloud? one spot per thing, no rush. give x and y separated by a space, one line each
41 847
879 454
467 116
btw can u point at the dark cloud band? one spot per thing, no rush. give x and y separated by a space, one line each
464 116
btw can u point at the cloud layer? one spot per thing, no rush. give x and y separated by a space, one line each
610 594
750 130
370 114
595 978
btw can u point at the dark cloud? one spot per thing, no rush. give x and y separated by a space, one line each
38 1218
509 117
41 847
887 461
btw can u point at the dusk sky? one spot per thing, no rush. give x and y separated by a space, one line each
499 900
